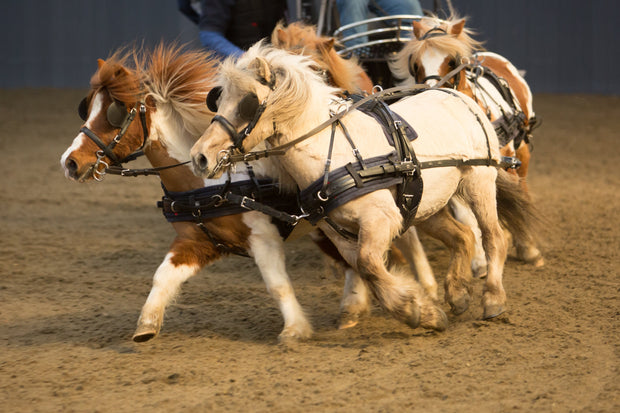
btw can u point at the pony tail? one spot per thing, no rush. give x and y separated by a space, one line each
516 211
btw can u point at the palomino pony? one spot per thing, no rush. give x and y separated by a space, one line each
270 95
169 88
348 75
438 48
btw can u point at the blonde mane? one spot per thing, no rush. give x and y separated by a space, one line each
462 44
301 38
297 84
180 79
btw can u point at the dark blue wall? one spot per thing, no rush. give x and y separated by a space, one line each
564 45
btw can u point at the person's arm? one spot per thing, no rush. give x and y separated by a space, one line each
186 8
217 43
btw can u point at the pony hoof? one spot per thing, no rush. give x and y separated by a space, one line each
436 320
493 311
292 334
348 320
538 262
531 256
144 333
479 272
460 305
414 317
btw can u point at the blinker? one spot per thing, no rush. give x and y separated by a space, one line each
117 113
248 107
83 109
212 97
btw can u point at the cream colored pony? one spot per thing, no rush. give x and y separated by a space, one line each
439 47
295 99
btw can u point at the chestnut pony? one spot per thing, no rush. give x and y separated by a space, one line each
156 101
301 38
440 47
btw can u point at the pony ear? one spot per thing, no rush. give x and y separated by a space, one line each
329 44
100 62
280 36
417 29
457 28
263 70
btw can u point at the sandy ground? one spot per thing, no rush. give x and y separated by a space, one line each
76 263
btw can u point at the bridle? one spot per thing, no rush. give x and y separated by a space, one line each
119 118
250 110
436 32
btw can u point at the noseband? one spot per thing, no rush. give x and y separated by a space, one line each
118 117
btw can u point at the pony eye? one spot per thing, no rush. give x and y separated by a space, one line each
452 64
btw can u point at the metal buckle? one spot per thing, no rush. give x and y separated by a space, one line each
242 203
98 174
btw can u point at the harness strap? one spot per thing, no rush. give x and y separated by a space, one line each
119 170
396 92
253 205
222 247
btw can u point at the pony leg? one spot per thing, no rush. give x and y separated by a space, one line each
355 301
459 239
526 249
479 190
267 248
185 258
403 297
463 214
413 252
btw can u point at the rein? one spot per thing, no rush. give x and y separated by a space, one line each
227 157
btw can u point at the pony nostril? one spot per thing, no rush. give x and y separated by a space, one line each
71 166
200 162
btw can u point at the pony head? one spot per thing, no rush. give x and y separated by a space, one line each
436 48
301 38
264 94
132 93
110 132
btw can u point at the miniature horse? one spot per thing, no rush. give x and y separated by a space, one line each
348 75
265 96
439 47
170 86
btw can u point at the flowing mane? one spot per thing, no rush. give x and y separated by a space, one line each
301 38
119 76
297 84
462 44
178 81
